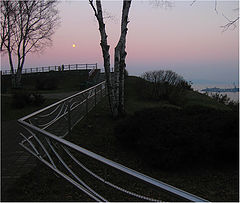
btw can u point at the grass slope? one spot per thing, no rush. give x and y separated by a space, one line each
8 112
52 81
96 133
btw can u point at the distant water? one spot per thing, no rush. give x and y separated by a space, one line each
232 95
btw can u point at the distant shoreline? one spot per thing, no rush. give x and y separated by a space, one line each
232 95
215 89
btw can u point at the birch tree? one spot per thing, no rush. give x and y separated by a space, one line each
26 26
115 82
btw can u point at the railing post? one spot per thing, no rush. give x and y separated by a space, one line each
87 104
86 66
49 69
69 117
105 88
95 96
76 66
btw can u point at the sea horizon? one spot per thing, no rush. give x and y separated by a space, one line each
232 95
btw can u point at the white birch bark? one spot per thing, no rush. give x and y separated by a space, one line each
116 86
121 53
106 56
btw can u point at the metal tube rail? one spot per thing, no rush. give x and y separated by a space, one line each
61 101
118 166
62 174
73 174
75 102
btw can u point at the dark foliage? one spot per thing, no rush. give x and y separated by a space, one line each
46 83
161 91
23 98
167 77
3 88
163 85
171 137
223 99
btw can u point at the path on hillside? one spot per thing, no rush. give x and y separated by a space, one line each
16 161
60 95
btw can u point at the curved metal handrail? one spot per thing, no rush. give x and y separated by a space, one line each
38 134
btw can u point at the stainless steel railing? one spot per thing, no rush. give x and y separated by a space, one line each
60 117
43 136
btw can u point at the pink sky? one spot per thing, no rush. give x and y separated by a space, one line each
184 38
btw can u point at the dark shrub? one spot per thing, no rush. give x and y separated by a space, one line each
171 137
234 105
23 98
37 99
20 99
164 85
5 83
46 83
3 89
224 99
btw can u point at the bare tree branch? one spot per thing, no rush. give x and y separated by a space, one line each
162 3
216 7
193 2
27 26
231 23
115 85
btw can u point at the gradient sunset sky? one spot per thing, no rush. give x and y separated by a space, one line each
186 39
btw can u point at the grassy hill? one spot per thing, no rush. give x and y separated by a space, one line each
188 98
53 81
97 132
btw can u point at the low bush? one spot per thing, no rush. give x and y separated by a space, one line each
159 92
224 99
23 98
173 137
164 85
46 83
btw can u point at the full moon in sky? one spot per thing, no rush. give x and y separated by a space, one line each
73 45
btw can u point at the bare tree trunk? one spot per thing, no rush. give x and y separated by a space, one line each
121 107
13 78
117 71
106 56
120 56
25 30
19 72
116 87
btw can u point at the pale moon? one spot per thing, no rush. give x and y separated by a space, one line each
73 45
